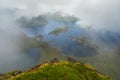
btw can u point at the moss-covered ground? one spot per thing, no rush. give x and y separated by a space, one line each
58 70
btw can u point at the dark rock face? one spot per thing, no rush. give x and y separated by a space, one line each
16 73
71 60
54 60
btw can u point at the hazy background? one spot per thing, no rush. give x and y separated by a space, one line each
100 15
97 13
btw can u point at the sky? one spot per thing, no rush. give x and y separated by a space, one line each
96 13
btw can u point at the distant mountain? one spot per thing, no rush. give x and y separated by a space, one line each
49 22
108 39
57 28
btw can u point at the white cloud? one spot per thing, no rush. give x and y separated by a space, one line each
101 14
98 13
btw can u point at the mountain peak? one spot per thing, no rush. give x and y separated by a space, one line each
60 70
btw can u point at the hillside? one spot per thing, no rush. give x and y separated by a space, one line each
57 70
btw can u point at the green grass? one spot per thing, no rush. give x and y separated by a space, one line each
59 30
61 71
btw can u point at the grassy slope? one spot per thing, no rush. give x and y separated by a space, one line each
61 71
106 63
59 30
47 52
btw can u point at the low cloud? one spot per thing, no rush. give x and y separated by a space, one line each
100 14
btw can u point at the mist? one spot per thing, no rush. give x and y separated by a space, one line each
100 14
10 34
12 39
99 18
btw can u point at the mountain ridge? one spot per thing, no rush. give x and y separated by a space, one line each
58 70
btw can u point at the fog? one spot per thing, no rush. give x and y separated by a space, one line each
10 34
99 15
12 40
